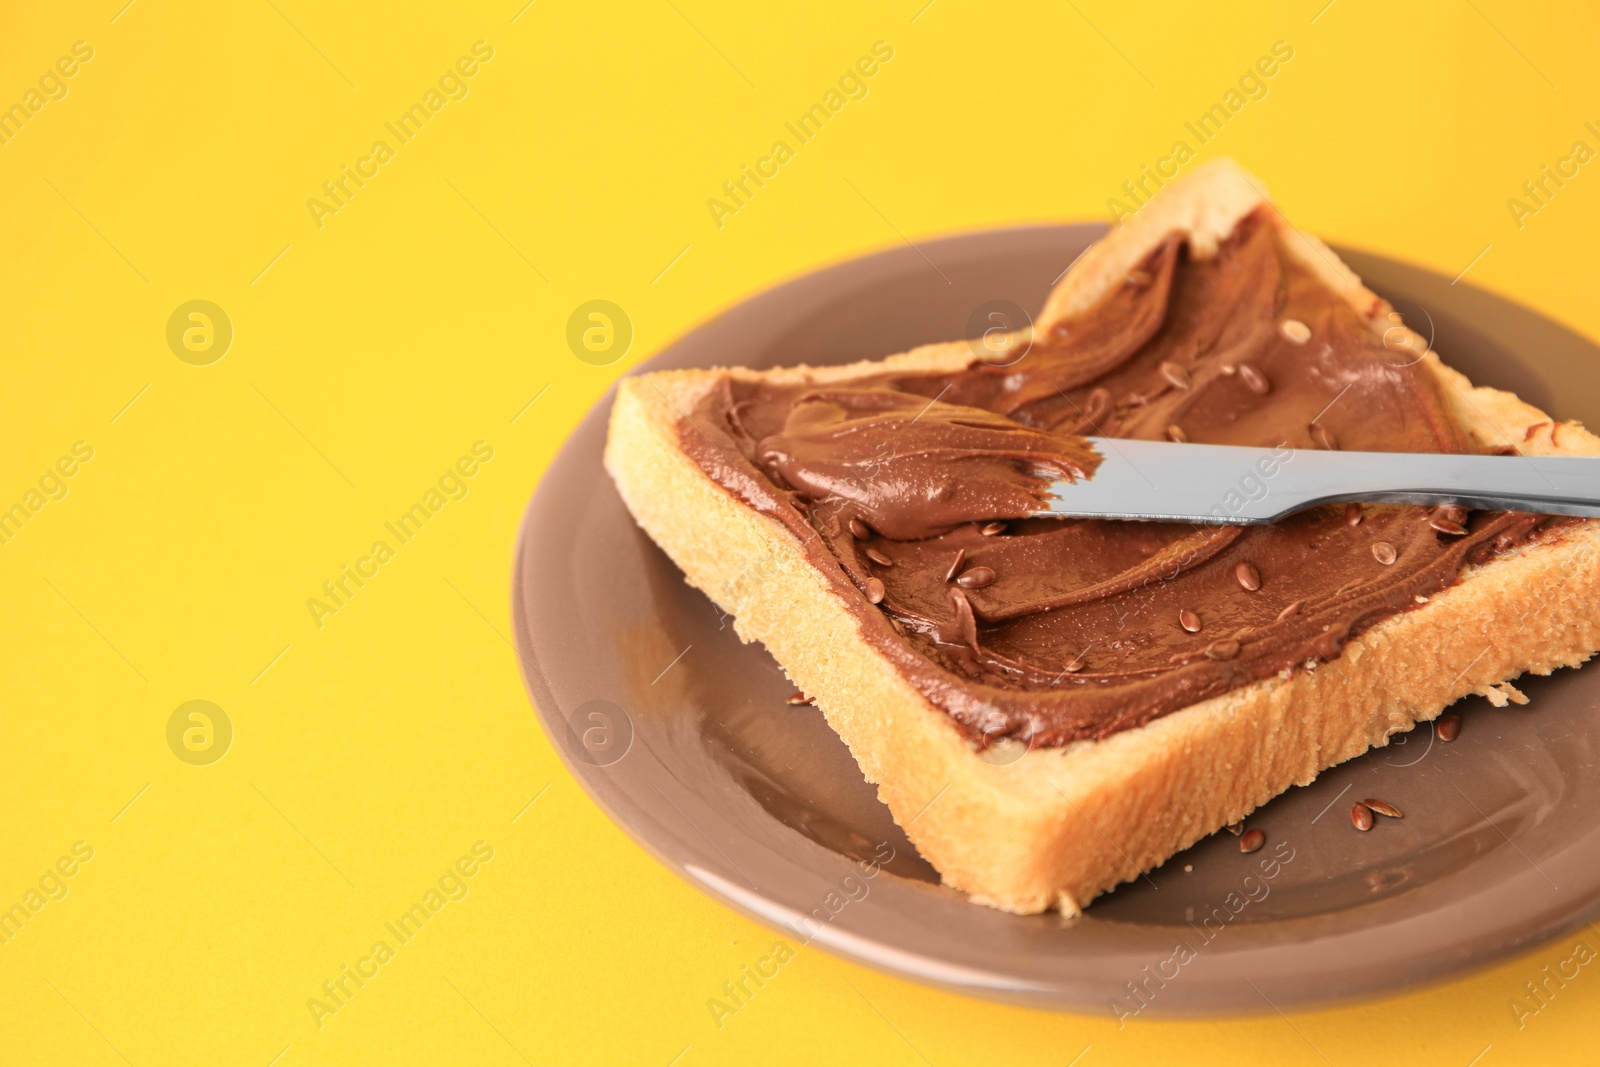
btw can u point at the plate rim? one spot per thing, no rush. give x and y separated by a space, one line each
890 959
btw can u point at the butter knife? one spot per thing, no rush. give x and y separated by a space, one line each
1227 484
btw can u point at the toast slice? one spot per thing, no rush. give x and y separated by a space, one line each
1053 827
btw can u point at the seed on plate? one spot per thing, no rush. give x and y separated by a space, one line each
1189 621
879 558
1254 379
1449 727
1236 828
1295 330
1291 611
955 565
1248 576
875 590
1075 664
1324 437
1175 433
1384 553
1175 374
1448 528
797 699
1361 817
1451 513
990 529
1252 840
975 577
1383 807
1352 514
859 530
1227 648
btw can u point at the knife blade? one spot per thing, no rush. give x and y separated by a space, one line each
1229 484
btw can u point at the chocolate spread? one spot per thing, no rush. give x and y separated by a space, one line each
912 492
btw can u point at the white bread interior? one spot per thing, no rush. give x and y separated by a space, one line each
1030 830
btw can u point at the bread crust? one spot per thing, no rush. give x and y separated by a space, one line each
1028 830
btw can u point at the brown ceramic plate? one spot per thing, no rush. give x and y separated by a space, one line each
682 735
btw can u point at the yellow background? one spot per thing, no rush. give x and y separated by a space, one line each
425 315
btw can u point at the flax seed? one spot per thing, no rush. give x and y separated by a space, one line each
875 590
1254 379
1189 621
991 529
966 621
955 565
797 699
1175 433
975 577
1449 727
1291 611
1294 330
1248 576
879 558
859 530
1383 807
1225 649
1175 374
1384 553
1324 437
1236 828
1252 840
1097 405
1361 817
1352 514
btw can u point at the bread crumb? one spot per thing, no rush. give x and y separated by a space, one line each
1502 694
